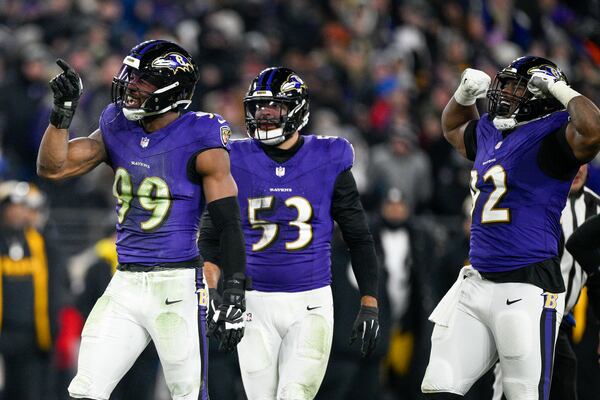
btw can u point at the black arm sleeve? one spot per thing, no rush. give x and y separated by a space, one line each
584 245
470 139
348 212
225 216
555 157
209 239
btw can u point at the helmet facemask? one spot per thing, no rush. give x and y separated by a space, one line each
276 105
130 85
510 103
272 121
507 98
156 77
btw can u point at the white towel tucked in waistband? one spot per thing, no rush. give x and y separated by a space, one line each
442 314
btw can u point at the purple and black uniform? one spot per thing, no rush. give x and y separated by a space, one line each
288 224
516 219
159 198
159 206
515 232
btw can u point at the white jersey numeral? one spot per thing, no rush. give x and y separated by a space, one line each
490 213
271 230
305 214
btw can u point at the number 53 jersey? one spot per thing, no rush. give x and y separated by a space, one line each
159 202
286 211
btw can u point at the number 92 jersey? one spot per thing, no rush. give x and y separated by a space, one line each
286 211
516 206
158 201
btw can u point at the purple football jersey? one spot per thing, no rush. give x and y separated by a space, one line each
286 211
158 206
517 207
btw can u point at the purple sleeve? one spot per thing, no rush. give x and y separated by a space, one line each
217 132
345 155
107 117
106 125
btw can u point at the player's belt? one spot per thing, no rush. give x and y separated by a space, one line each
135 267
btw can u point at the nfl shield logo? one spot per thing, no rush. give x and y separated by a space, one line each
144 142
280 171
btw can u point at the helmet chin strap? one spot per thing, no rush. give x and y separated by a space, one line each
504 124
271 137
136 114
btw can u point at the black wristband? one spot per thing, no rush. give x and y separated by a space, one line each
61 117
213 293
369 311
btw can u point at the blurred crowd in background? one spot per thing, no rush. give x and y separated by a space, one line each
379 73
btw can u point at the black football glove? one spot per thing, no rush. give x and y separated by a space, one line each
228 317
66 88
366 326
213 307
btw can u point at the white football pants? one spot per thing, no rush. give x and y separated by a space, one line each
167 307
482 322
286 344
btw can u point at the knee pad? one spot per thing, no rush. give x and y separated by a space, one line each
296 391
517 390
80 388
172 333
184 391
315 337
253 352
513 334
438 377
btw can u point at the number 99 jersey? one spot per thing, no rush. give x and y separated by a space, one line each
286 211
159 201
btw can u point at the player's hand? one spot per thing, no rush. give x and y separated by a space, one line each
214 303
229 315
66 89
366 327
474 85
539 84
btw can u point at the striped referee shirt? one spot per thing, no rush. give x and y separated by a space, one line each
579 207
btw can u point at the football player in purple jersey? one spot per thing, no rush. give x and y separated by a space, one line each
168 163
508 304
292 188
